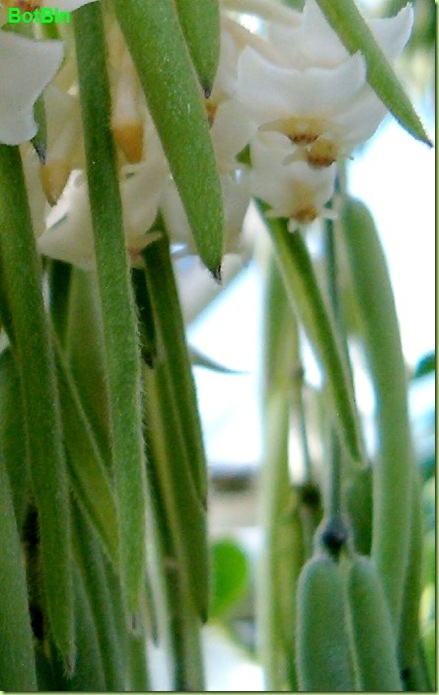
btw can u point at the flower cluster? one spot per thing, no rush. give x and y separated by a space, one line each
292 98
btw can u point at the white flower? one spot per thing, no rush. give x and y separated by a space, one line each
294 190
26 68
141 187
320 99
236 196
231 126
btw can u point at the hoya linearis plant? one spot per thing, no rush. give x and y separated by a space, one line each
137 133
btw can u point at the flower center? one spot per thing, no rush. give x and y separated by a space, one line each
301 131
305 214
322 153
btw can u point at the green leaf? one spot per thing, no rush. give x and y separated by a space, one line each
39 141
347 22
17 665
178 457
170 329
122 353
32 349
174 98
426 365
393 467
199 359
13 435
229 576
90 562
88 474
200 22
307 302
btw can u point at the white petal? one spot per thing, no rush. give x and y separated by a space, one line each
319 43
236 193
26 67
288 188
272 93
393 33
141 193
71 239
360 121
231 131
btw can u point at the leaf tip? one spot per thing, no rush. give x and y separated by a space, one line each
217 274
40 149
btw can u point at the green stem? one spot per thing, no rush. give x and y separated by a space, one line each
118 311
21 278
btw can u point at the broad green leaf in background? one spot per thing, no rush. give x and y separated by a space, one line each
346 20
230 575
175 99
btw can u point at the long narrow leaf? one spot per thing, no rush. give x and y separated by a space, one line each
17 664
346 20
174 97
306 299
200 22
393 469
119 318
89 477
162 290
90 563
21 275
13 435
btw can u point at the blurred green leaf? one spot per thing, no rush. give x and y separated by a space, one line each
426 365
359 505
230 576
